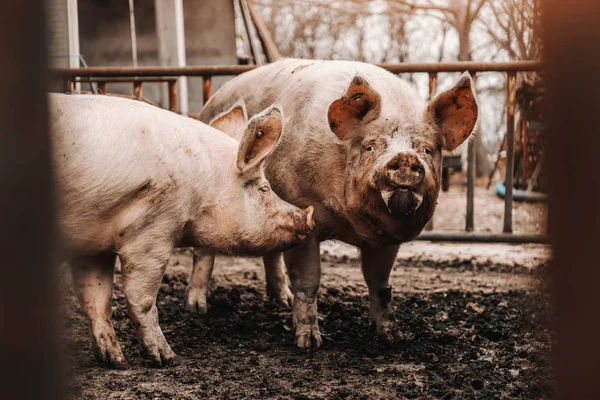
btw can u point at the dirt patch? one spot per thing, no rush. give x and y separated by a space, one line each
472 332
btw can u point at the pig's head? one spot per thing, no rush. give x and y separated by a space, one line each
262 221
394 161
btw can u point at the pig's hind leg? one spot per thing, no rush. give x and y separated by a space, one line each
276 277
304 266
143 263
93 283
195 297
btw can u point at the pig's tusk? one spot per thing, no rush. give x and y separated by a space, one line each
310 221
386 195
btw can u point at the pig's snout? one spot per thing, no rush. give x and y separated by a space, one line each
404 170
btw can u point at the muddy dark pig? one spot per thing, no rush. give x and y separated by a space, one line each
360 146
135 181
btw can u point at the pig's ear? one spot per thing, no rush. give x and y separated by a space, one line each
233 121
360 105
260 138
454 112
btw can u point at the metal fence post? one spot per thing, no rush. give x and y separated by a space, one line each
511 98
471 175
173 95
433 78
137 89
206 81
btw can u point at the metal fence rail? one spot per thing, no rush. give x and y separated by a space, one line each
140 75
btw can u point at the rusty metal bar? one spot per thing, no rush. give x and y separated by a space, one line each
206 85
433 79
220 70
173 96
525 147
471 175
511 99
124 79
465 66
68 85
480 237
471 170
101 87
137 89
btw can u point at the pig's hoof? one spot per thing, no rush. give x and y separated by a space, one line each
390 334
309 338
163 358
195 301
281 295
111 356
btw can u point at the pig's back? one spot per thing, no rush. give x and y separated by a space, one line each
109 138
110 151
306 88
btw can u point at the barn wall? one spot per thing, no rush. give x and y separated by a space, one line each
105 39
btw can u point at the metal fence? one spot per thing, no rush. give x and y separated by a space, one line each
140 75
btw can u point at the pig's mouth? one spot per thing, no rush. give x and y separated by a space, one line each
403 201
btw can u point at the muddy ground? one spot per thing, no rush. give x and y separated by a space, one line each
474 319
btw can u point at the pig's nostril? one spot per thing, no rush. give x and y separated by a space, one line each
416 168
394 167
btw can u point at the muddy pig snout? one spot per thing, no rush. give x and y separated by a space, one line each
405 170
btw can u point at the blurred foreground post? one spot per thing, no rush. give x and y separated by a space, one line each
28 314
572 39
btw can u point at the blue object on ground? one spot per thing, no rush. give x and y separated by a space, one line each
521 195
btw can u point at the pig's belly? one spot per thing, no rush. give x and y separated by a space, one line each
85 237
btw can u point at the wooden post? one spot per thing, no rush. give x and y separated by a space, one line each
31 357
572 49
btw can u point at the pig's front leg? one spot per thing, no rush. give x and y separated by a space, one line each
195 297
304 268
143 264
377 263
277 285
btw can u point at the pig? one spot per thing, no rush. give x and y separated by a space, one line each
232 122
134 181
366 152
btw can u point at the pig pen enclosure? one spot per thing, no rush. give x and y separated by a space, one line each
474 318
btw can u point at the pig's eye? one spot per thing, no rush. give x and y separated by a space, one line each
263 188
370 148
427 150
259 133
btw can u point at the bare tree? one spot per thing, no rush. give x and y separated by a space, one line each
339 29
459 14
514 26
